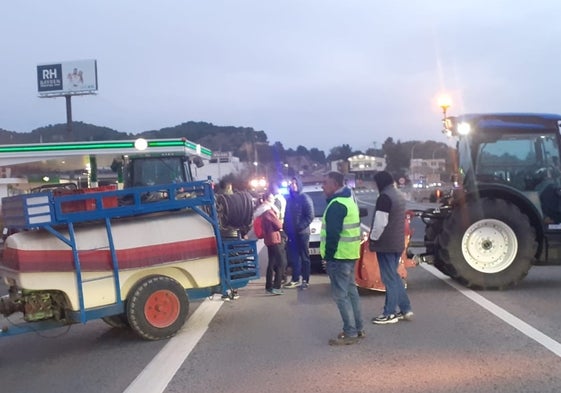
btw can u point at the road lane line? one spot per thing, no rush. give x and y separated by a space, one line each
159 372
531 332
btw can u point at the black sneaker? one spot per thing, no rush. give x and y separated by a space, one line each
408 316
385 319
343 340
359 334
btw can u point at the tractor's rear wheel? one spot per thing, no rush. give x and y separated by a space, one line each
488 244
157 307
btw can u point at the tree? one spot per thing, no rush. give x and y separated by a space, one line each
397 157
342 152
302 151
317 156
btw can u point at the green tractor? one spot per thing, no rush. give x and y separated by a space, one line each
505 216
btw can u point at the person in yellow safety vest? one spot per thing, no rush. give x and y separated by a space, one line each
340 249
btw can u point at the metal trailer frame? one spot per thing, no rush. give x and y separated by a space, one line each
238 261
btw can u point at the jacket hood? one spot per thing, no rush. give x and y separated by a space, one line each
383 179
299 184
262 208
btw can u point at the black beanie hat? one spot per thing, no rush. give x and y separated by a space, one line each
383 179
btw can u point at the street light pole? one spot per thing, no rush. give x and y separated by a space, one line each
444 102
411 161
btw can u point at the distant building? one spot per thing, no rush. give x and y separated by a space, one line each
363 168
427 170
220 165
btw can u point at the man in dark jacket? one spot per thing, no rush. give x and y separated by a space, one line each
387 239
298 216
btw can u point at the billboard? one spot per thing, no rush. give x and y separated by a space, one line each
67 78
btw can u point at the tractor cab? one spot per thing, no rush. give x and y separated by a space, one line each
162 168
512 152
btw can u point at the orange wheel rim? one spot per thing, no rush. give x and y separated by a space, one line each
162 308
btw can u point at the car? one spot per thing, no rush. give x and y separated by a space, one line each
315 192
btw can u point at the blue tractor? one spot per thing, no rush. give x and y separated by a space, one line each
506 216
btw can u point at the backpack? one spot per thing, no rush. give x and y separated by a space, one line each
258 227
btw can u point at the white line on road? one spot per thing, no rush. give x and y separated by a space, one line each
528 330
531 332
159 372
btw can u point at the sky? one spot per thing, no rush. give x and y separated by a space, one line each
316 73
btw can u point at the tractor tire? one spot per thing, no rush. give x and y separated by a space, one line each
118 321
157 307
487 244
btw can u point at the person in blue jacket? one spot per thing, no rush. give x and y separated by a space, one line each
298 216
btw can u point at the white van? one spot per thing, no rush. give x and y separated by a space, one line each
315 192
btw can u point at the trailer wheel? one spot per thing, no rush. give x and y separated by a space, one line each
157 307
119 321
489 244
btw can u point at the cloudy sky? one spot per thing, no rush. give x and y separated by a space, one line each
317 73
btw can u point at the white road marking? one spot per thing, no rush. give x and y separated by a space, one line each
159 372
528 330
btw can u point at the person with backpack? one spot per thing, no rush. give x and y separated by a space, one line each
267 226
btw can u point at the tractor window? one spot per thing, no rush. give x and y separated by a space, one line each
149 171
521 161
511 160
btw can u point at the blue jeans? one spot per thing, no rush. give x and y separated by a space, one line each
345 294
298 255
395 290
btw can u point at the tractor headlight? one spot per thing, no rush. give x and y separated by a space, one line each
464 128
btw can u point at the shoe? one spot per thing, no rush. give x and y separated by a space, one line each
269 290
231 295
292 284
385 319
360 334
304 285
344 340
408 316
275 291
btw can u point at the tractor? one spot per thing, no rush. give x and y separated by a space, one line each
505 216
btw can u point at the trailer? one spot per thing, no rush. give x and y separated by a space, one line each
133 257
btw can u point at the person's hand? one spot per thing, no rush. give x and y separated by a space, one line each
323 263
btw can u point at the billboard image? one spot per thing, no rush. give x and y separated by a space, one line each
67 78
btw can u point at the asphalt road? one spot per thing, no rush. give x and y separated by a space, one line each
460 341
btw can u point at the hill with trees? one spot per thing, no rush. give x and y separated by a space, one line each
246 143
